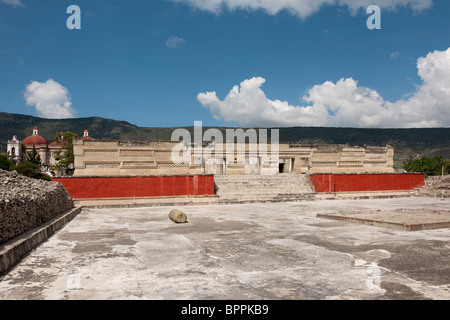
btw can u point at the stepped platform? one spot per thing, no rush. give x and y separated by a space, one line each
263 188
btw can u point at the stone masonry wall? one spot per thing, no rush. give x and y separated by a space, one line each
26 203
107 158
436 187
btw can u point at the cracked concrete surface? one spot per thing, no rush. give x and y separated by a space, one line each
251 251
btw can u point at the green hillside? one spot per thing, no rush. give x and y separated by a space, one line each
407 142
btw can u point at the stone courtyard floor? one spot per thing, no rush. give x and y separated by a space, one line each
280 251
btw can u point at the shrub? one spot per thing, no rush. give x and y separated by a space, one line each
5 163
31 170
429 166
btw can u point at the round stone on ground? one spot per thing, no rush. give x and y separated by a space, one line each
177 216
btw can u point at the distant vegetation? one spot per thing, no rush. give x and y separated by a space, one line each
65 158
407 143
434 166
5 163
30 168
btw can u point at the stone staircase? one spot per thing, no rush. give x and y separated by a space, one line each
262 188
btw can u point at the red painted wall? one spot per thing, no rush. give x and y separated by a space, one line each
366 182
129 187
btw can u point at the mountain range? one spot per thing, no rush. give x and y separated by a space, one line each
407 143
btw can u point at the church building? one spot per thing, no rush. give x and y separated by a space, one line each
18 150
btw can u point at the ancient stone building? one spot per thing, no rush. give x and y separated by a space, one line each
138 158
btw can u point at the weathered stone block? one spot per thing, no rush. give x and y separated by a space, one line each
177 216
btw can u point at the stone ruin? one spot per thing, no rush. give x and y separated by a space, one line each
26 203
436 187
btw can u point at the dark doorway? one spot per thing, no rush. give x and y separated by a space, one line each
281 167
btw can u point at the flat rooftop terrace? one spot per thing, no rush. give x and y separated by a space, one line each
261 251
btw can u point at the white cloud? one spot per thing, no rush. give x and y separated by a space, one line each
14 3
395 54
342 104
51 99
416 5
248 105
174 42
301 8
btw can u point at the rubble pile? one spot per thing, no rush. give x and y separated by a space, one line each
437 186
26 203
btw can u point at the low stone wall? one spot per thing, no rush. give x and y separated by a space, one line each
26 203
366 182
13 251
138 187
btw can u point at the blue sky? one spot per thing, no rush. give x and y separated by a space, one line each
167 63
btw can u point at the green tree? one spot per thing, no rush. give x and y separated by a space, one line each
65 157
31 170
429 166
34 157
6 163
